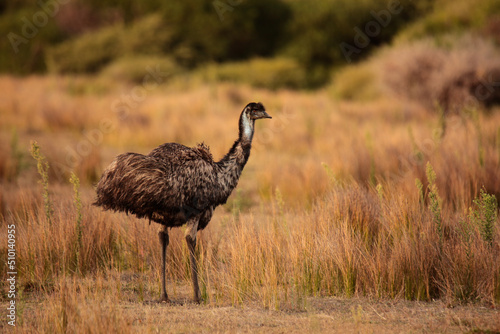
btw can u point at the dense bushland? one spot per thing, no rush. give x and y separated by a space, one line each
83 36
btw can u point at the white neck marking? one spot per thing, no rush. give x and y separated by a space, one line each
247 128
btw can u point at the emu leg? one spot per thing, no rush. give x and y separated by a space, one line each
163 235
191 242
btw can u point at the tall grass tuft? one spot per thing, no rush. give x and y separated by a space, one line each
77 200
465 270
43 169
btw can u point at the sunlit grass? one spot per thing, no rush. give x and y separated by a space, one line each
328 204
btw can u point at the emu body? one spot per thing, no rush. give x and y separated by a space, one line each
175 185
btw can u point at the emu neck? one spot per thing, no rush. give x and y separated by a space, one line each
232 164
239 153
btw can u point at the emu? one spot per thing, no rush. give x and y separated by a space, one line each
175 185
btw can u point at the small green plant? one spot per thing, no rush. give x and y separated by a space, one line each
21 305
485 215
43 168
78 205
380 192
75 181
330 173
419 156
420 187
434 200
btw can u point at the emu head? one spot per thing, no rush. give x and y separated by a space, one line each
256 111
251 112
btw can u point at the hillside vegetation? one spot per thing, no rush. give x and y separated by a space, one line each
84 36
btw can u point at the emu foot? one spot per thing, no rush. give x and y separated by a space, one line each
198 299
164 299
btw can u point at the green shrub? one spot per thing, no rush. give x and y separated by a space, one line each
92 51
355 82
130 10
87 53
319 28
448 16
134 68
223 30
24 54
150 35
259 72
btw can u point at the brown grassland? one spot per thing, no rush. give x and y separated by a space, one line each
375 216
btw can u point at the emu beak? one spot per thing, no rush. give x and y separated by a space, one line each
264 115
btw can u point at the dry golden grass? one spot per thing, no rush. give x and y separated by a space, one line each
327 206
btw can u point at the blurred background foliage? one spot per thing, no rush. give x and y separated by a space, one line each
289 43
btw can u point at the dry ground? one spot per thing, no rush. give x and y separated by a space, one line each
322 315
319 315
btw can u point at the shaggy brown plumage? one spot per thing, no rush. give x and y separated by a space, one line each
175 185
